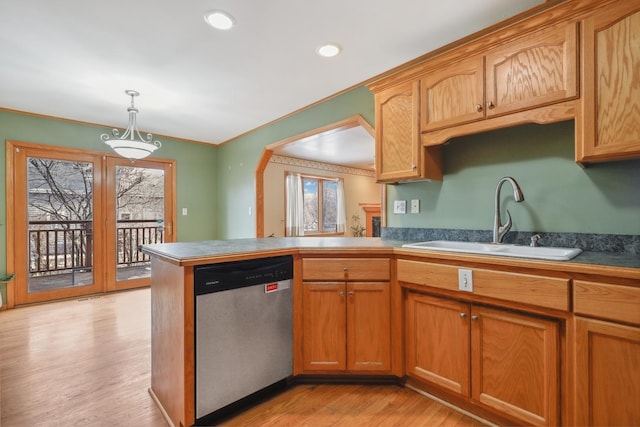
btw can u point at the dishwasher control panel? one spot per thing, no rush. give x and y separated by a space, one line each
237 274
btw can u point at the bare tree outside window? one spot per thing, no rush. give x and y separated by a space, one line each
60 210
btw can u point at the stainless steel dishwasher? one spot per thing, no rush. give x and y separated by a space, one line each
243 333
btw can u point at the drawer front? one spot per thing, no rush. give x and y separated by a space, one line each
376 269
549 292
607 301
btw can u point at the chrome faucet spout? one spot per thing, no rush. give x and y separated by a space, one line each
499 229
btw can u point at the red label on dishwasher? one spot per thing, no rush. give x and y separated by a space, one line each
271 287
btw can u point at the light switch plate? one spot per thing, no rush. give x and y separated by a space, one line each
415 206
400 207
465 280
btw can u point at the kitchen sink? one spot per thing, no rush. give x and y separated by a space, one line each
501 249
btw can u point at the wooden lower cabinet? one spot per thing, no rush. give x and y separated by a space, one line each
346 327
504 361
437 347
607 373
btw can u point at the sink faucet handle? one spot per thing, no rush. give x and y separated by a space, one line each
534 240
504 228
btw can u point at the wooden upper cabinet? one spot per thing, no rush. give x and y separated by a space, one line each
608 117
397 133
533 71
529 72
453 95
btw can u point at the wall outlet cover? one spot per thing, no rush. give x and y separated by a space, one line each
415 206
465 280
400 206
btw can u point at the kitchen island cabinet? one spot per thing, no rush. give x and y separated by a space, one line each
511 295
346 310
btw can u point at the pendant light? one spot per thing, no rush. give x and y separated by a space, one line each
131 145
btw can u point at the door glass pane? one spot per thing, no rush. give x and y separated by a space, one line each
60 234
139 218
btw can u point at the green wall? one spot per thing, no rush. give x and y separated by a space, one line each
217 184
560 196
237 159
195 170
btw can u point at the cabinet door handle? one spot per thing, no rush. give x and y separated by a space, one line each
414 167
479 108
474 317
345 269
490 105
341 293
463 315
351 293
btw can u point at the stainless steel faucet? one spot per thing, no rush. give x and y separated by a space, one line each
499 229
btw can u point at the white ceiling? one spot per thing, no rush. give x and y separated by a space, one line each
353 147
74 58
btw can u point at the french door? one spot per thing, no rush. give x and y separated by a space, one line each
78 218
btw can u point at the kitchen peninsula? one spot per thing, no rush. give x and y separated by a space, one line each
548 310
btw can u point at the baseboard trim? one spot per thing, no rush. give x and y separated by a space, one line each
161 408
450 405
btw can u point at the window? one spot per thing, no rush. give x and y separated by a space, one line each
320 205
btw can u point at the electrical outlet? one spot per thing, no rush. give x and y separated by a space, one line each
415 206
465 280
400 207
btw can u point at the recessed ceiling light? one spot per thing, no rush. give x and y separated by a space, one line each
329 50
219 19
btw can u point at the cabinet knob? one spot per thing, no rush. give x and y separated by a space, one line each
474 317
463 315
341 293
479 108
490 105
345 269
351 293
414 167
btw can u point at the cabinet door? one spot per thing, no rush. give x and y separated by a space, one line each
437 341
609 110
515 365
607 373
324 325
536 70
368 327
398 145
452 96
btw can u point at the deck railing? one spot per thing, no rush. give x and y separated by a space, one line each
67 246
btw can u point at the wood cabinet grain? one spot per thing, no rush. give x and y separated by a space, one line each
609 109
608 373
505 361
346 311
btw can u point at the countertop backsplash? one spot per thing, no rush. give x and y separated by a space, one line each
609 243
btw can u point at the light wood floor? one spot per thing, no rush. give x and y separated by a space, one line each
87 362
351 405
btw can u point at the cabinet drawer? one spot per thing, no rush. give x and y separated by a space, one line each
376 269
607 301
549 292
